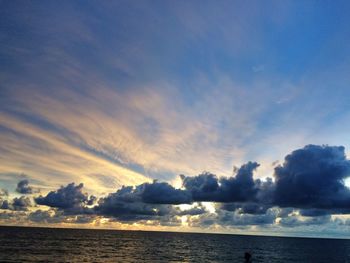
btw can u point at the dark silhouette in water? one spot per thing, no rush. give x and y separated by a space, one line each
248 257
28 244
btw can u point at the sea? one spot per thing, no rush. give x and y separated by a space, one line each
24 244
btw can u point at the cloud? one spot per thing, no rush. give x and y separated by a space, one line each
126 204
53 216
68 197
21 203
197 210
294 221
17 204
13 217
245 208
240 188
23 187
312 212
92 200
153 193
238 219
70 155
5 205
3 192
313 177
163 193
47 216
234 219
203 187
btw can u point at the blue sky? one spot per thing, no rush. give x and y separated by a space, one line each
119 93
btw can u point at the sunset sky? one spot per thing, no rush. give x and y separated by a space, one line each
249 101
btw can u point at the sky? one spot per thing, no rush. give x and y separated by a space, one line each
205 116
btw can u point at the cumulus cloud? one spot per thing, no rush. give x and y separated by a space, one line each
208 187
310 179
5 204
127 204
21 203
313 177
69 197
203 187
17 204
23 187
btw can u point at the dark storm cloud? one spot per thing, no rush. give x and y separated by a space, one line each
240 188
68 197
23 187
313 177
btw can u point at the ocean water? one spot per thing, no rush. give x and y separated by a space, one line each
75 245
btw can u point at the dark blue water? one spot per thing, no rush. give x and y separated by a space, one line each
75 245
